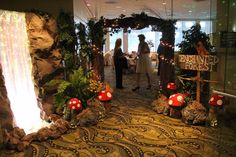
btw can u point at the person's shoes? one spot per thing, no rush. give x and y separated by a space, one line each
136 88
149 87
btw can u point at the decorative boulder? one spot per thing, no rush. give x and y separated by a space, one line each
87 118
161 105
195 113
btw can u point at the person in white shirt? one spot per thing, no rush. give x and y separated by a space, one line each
144 64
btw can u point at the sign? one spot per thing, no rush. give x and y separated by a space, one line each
197 62
228 39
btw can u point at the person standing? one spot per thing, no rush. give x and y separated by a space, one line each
118 62
144 64
160 51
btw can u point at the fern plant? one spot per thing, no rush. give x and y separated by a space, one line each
79 85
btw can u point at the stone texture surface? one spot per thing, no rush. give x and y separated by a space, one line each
194 113
161 105
6 116
17 139
46 57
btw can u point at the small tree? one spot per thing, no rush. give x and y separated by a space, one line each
188 47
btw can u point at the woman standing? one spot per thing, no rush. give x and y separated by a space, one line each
118 62
144 64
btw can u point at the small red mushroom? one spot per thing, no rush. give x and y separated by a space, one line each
171 86
176 102
75 104
216 100
104 96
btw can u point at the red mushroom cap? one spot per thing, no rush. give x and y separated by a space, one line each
104 96
171 86
176 100
216 100
75 104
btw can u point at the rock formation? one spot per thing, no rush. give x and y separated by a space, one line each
194 113
161 105
46 57
6 116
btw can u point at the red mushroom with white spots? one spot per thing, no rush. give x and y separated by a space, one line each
215 102
176 101
171 86
75 104
105 96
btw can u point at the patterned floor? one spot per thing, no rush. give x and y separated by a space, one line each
132 129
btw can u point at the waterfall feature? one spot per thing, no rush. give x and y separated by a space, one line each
17 70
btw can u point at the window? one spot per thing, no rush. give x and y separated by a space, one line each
113 38
206 26
154 37
133 40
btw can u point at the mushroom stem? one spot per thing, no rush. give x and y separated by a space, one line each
175 112
107 106
212 117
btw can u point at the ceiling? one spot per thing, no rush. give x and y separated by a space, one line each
166 9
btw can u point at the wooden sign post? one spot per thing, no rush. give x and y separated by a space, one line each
199 63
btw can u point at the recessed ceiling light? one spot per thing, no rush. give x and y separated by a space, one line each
164 3
88 4
118 7
124 10
190 11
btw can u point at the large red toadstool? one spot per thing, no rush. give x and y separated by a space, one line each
75 104
176 102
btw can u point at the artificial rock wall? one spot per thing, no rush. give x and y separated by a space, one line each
6 117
